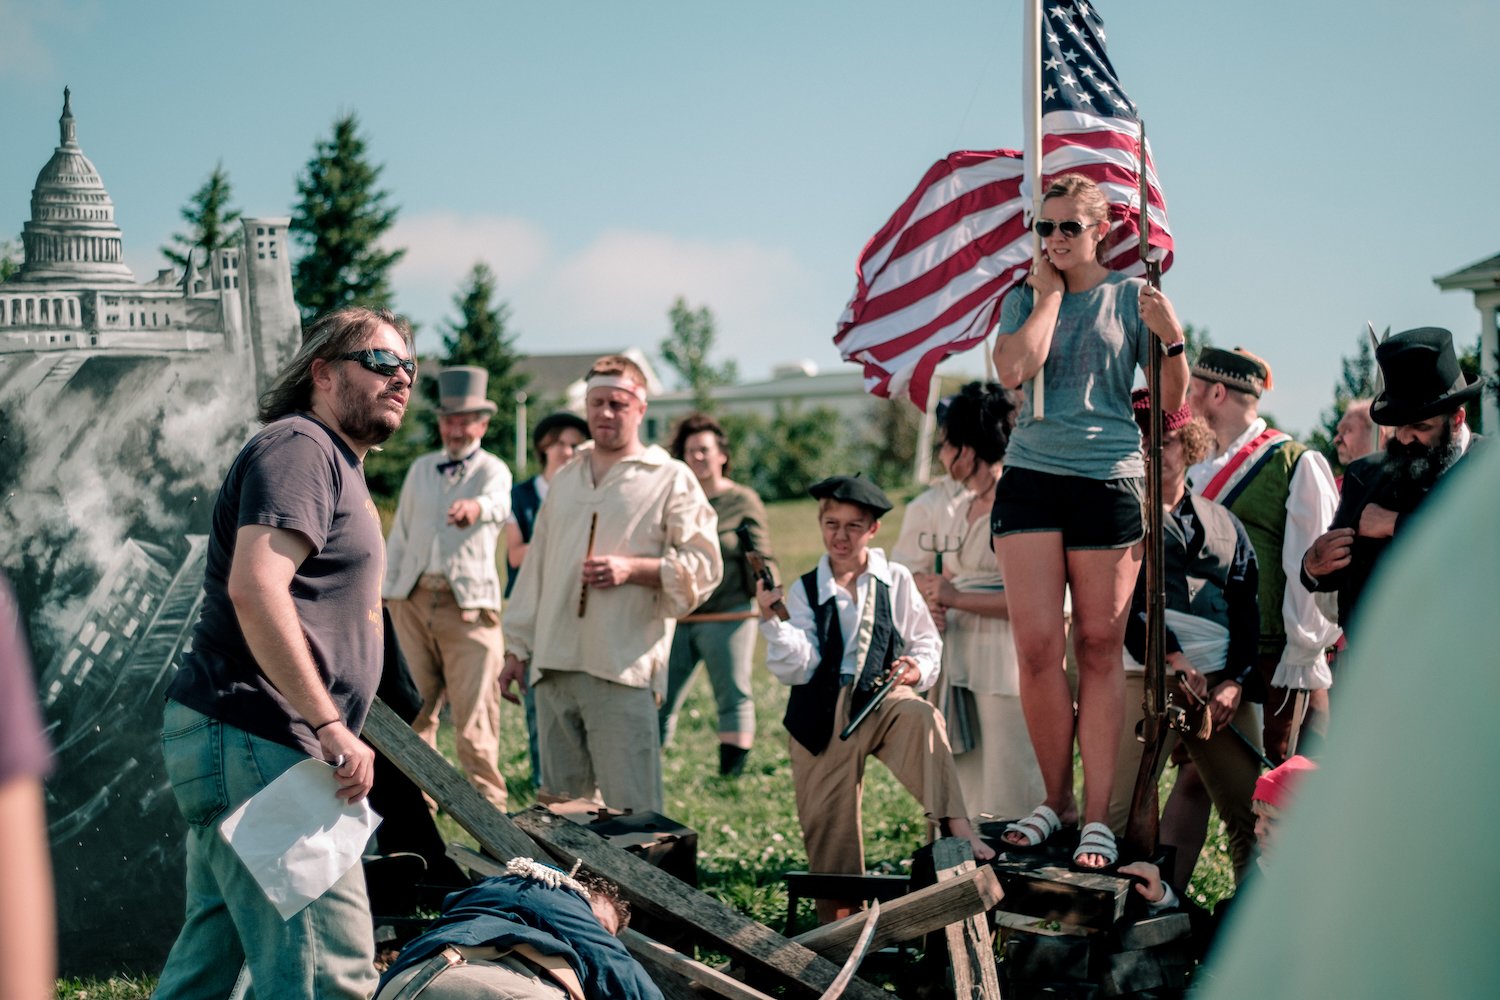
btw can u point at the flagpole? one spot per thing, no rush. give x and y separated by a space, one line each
1032 89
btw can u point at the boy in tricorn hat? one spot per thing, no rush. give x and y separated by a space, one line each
855 621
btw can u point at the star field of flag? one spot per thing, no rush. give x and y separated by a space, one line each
1076 72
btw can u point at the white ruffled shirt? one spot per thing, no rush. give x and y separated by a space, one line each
792 653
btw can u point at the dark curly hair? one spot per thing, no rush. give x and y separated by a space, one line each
979 417
697 423
599 886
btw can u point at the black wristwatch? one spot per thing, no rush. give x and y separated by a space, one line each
1172 350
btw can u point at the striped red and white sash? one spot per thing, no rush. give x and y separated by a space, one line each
1244 462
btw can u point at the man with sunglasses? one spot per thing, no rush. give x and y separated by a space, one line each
285 659
441 585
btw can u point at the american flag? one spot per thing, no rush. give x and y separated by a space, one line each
930 282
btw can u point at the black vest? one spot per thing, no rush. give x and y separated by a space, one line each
811 707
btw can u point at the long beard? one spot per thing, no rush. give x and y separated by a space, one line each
1416 467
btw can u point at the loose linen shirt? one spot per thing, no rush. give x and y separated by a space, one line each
421 532
1311 501
648 504
792 654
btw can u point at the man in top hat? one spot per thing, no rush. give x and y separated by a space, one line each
625 544
1284 494
441 585
1423 403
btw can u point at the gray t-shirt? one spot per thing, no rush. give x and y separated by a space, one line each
1087 428
298 475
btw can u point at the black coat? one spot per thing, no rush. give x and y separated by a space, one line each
1367 481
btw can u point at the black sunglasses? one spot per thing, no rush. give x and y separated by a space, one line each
382 362
1068 227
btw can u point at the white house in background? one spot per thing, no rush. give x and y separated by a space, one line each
799 385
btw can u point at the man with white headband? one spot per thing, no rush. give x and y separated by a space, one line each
625 544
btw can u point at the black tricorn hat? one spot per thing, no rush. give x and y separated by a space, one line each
1422 377
852 489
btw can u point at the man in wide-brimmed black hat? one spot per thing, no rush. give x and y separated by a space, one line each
1423 404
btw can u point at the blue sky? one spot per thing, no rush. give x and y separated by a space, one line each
1322 161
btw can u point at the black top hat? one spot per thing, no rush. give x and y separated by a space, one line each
559 421
1422 377
852 489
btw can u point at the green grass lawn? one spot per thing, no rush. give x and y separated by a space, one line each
747 827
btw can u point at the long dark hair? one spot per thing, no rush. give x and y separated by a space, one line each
331 335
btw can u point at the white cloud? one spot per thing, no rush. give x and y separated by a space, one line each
629 279
23 54
441 247
616 289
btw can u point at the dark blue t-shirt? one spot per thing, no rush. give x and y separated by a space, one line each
298 475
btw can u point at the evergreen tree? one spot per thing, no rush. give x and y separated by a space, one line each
212 223
480 336
687 350
338 223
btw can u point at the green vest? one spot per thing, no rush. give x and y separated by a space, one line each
1261 508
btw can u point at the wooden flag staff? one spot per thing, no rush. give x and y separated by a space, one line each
1033 91
1145 813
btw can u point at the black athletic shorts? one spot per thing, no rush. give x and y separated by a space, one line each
1090 513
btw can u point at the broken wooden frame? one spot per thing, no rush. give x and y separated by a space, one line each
800 963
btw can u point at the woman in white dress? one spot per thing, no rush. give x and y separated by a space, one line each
997 767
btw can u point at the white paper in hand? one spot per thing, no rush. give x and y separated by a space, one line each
297 837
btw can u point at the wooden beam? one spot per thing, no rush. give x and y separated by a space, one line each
451 790
655 955
970 949
912 915
661 895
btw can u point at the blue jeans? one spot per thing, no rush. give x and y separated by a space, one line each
327 950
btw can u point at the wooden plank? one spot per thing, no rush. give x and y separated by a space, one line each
970 949
659 894
928 909
451 790
657 956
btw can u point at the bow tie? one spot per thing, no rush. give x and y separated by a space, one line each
454 469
